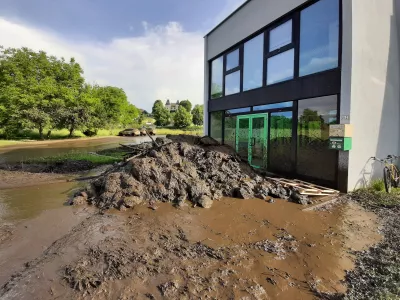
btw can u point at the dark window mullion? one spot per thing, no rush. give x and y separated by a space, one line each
232 70
265 52
241 64
223 75
296 41
281 50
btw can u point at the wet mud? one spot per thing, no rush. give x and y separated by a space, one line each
239 249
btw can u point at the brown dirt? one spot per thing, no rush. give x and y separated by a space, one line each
14 179
185 168
239 249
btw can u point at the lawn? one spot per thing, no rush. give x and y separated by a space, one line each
95 159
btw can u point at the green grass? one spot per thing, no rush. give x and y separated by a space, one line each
9 142
193 130
95 159
376 196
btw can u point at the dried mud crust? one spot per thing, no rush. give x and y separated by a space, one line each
66 167
377 271
184 168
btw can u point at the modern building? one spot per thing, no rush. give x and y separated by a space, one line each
279 74
172 107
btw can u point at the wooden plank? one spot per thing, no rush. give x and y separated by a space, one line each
326 190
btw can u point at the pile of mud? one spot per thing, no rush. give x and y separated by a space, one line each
182 168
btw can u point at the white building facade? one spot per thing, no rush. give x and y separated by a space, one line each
278 74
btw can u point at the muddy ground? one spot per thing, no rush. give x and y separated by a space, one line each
239 249
151 239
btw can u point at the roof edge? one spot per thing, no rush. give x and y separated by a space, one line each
226 19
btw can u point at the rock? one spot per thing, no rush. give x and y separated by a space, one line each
84 194
153 153
131 201
205 202
271 200
243 193
300 199
78 200
209 141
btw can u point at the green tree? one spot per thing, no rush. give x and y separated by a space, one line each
197 114
162 117
186 104
182 118
34 87
158 105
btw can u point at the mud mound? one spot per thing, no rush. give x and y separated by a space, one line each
186 168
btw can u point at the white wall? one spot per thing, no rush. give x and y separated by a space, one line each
255 15
374 91
206 73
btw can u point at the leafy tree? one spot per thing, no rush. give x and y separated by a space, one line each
197 114
158 105
130 114
182 118
162 117
186 104
33 87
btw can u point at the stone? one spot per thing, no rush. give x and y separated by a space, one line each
78 200
84 194
205 201
132 201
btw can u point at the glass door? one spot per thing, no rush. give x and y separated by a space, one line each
251 138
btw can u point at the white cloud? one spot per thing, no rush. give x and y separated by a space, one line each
165 62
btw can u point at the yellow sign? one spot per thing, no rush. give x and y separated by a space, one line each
341 130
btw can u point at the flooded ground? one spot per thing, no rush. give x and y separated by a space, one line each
239 249
21 152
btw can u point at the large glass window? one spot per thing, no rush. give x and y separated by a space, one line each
280 67
280 36
216 77
319 37
314 159
253 63
230 131
273 106
232 60
216 125
232 83
280 143
238 110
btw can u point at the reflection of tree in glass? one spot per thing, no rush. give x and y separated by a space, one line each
312 127
216 90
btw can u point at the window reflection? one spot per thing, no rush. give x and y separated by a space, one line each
232 83
238 110
253 63
232 60
319 37
280 134
216 78
230 131
314 159
280 36
216 125
273 106
280 67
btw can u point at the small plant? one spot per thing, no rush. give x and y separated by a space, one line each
378 185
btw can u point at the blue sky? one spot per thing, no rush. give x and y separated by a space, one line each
153 48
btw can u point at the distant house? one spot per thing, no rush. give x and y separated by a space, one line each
172 107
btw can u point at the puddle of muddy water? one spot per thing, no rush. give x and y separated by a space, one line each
26 151
27 202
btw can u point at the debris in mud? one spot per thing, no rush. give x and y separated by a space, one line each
280 247
377 271
183 168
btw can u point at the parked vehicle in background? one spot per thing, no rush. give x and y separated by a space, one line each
129 132
150 130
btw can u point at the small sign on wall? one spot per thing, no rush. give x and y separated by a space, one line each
340 130
340 143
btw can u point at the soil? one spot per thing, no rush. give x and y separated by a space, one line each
183 168
239 249
65 167
14 179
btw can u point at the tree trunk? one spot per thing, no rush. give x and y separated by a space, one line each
41 132
48 134
71 131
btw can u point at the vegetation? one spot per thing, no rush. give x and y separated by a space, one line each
45 93
186 104
182 118
198 114
92 158
161 114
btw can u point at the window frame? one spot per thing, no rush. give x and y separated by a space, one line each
293 15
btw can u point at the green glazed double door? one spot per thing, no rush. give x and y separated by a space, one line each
251 138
